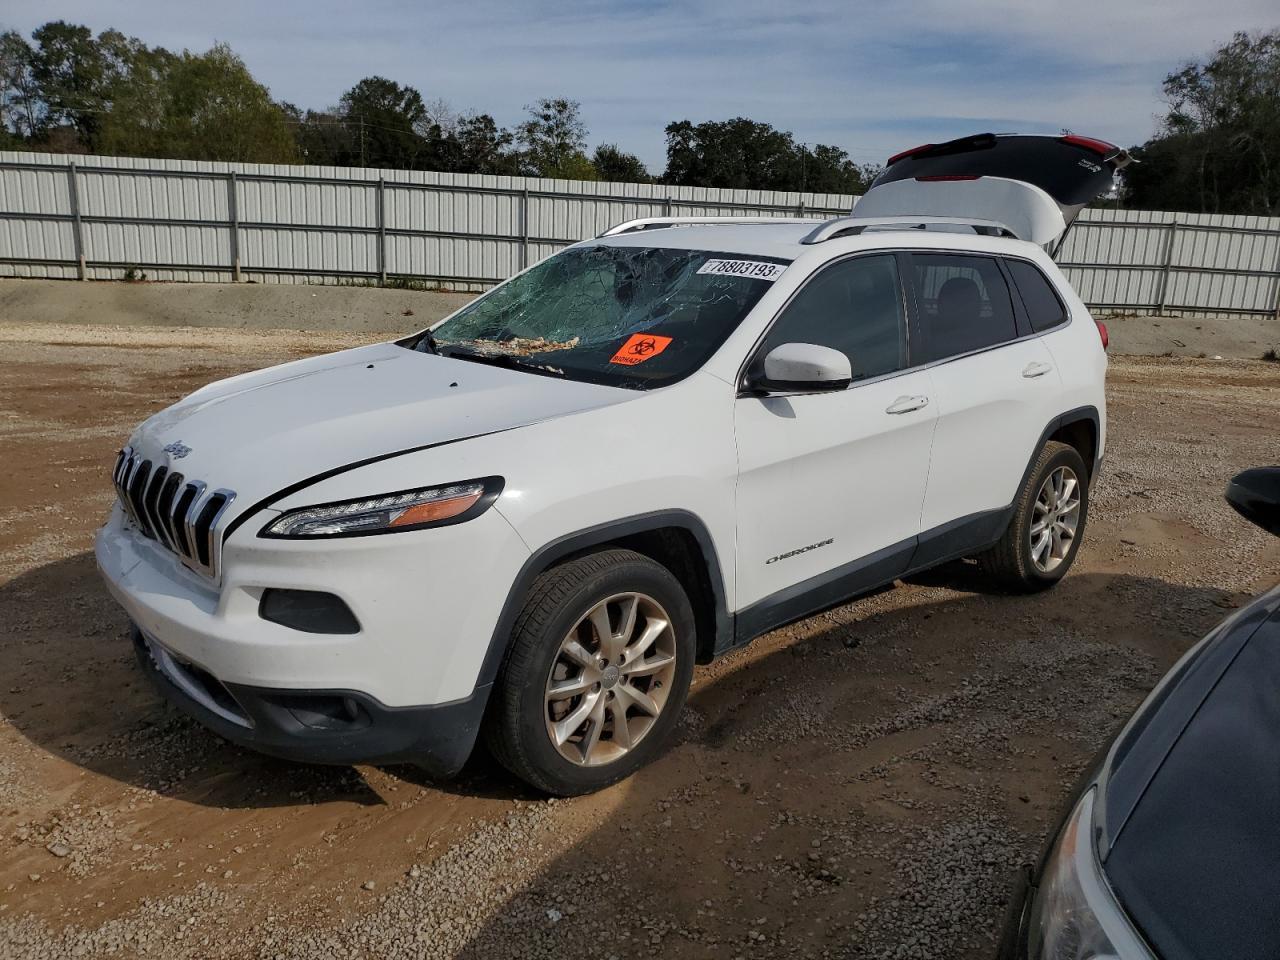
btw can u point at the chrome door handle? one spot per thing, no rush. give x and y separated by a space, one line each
907 404
1036 369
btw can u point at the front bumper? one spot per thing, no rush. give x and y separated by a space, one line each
426 603
317 726
408 685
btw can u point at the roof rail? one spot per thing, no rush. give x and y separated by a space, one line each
852 226
657 223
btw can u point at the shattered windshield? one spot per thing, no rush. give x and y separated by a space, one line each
624 316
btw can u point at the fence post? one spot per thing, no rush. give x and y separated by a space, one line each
524 228
1168 264
233 211
76 228
1276 315
382 232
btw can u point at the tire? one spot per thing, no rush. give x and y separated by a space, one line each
1020 561
602 728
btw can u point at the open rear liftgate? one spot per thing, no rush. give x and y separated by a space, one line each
1034 185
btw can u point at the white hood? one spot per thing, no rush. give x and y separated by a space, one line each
261 432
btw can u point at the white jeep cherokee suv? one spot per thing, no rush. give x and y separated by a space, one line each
532 520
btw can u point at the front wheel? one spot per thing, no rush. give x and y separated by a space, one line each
1047 526
598 670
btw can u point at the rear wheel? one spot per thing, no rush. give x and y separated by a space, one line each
1048 523
597 673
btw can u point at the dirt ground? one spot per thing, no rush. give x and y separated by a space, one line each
861 784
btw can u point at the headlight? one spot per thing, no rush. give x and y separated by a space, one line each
1075 916
391 512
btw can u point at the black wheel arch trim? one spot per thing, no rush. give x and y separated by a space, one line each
1085 414
592 537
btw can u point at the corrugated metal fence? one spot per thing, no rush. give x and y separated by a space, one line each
98 217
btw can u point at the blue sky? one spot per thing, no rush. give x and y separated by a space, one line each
872 78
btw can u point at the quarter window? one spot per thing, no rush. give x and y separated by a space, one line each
964 303
854 306
1044 309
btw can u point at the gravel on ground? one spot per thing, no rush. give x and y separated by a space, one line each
861 784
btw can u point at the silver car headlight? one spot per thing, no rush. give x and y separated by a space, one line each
389 513
1075 916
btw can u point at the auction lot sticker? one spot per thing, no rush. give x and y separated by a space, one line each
639 348
751 269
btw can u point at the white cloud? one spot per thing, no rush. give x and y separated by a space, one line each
870 77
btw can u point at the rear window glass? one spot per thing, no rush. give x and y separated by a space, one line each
1044 309
1069 173
964 304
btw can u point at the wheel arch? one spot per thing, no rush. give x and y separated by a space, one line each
1079 429
1074 428
677 539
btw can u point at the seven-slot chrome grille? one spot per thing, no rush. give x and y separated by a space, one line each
179 513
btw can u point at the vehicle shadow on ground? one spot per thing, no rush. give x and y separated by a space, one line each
871 783
70 685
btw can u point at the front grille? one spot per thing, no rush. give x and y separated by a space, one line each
176 512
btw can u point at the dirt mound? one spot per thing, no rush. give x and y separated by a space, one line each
237 305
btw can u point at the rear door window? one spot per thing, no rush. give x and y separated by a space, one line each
964 303
1044 309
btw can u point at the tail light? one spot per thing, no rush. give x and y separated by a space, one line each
907 153
1089 143
948 177
1102 333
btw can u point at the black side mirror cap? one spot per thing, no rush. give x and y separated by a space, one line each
1255 495
755 382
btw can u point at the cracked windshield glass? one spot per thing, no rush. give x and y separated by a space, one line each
625 316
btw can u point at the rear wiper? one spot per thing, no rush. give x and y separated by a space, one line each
504 360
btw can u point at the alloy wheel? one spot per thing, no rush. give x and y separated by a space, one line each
1055 520
610 679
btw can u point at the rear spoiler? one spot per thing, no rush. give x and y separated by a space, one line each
1037 185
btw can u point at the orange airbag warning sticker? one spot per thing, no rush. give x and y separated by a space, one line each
639 348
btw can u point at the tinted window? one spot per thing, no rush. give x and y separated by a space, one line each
964 303
1044 309
855 307
621 315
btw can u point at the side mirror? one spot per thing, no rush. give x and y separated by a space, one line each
802 368
1255 494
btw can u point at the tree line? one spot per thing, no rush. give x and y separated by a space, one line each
66 90
1218 148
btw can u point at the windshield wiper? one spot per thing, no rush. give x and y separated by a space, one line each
505 360
429 339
